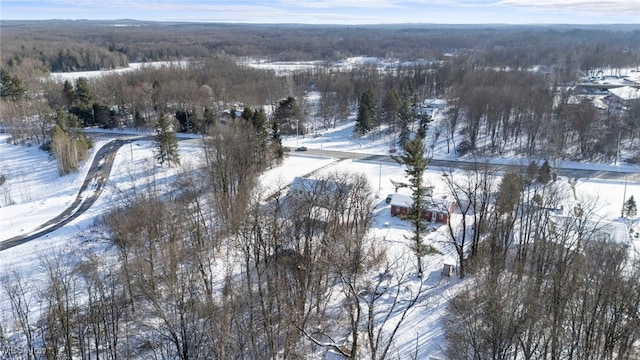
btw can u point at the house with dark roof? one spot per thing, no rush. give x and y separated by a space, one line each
436 209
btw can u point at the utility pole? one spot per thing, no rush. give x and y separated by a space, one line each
624 195
618 148
380 179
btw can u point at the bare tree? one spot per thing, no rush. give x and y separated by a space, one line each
568 298
233 165
472 195
22 301
60 299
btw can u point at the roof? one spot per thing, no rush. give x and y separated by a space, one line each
626 93
614 231
430 203
402 200
319 193
301 184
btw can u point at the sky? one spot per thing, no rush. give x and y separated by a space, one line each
353 12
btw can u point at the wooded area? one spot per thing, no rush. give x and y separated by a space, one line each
212 271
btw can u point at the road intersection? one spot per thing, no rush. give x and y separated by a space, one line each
103 162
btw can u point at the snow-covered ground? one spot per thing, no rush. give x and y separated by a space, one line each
281 68
72 76
34 192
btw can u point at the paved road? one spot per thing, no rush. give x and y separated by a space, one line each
89 191
445 165
103 162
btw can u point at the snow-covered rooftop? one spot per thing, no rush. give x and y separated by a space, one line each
626 93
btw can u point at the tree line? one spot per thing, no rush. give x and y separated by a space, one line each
84 45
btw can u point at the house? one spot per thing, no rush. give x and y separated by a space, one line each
321 193
320 203
594 230
436 209
230 114
625 95
439 104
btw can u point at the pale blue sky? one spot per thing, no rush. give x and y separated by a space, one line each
333 11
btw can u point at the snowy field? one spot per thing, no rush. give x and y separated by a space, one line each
34 193
72 76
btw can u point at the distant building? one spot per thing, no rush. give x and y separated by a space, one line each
436 209
625 95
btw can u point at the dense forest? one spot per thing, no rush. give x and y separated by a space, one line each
212 271
93 45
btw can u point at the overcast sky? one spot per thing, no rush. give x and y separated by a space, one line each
333 11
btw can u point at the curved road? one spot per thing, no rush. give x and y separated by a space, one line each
89 191
103 162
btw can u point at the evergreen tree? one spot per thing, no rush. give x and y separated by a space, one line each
11 86
259 121
81 101
531 173
509 193
276 142
208 119
166 143
288 114
390 109
630 207
405 116
187 121
366 113
69 93
416 163
544 173
83 91
260 136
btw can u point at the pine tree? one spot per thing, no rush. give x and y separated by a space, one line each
416 164
531 173
11 86
276 142
406 117
366 113
630 207
69 93
260 136
166 143
83 91
509 192
289 114
544 173
390 108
